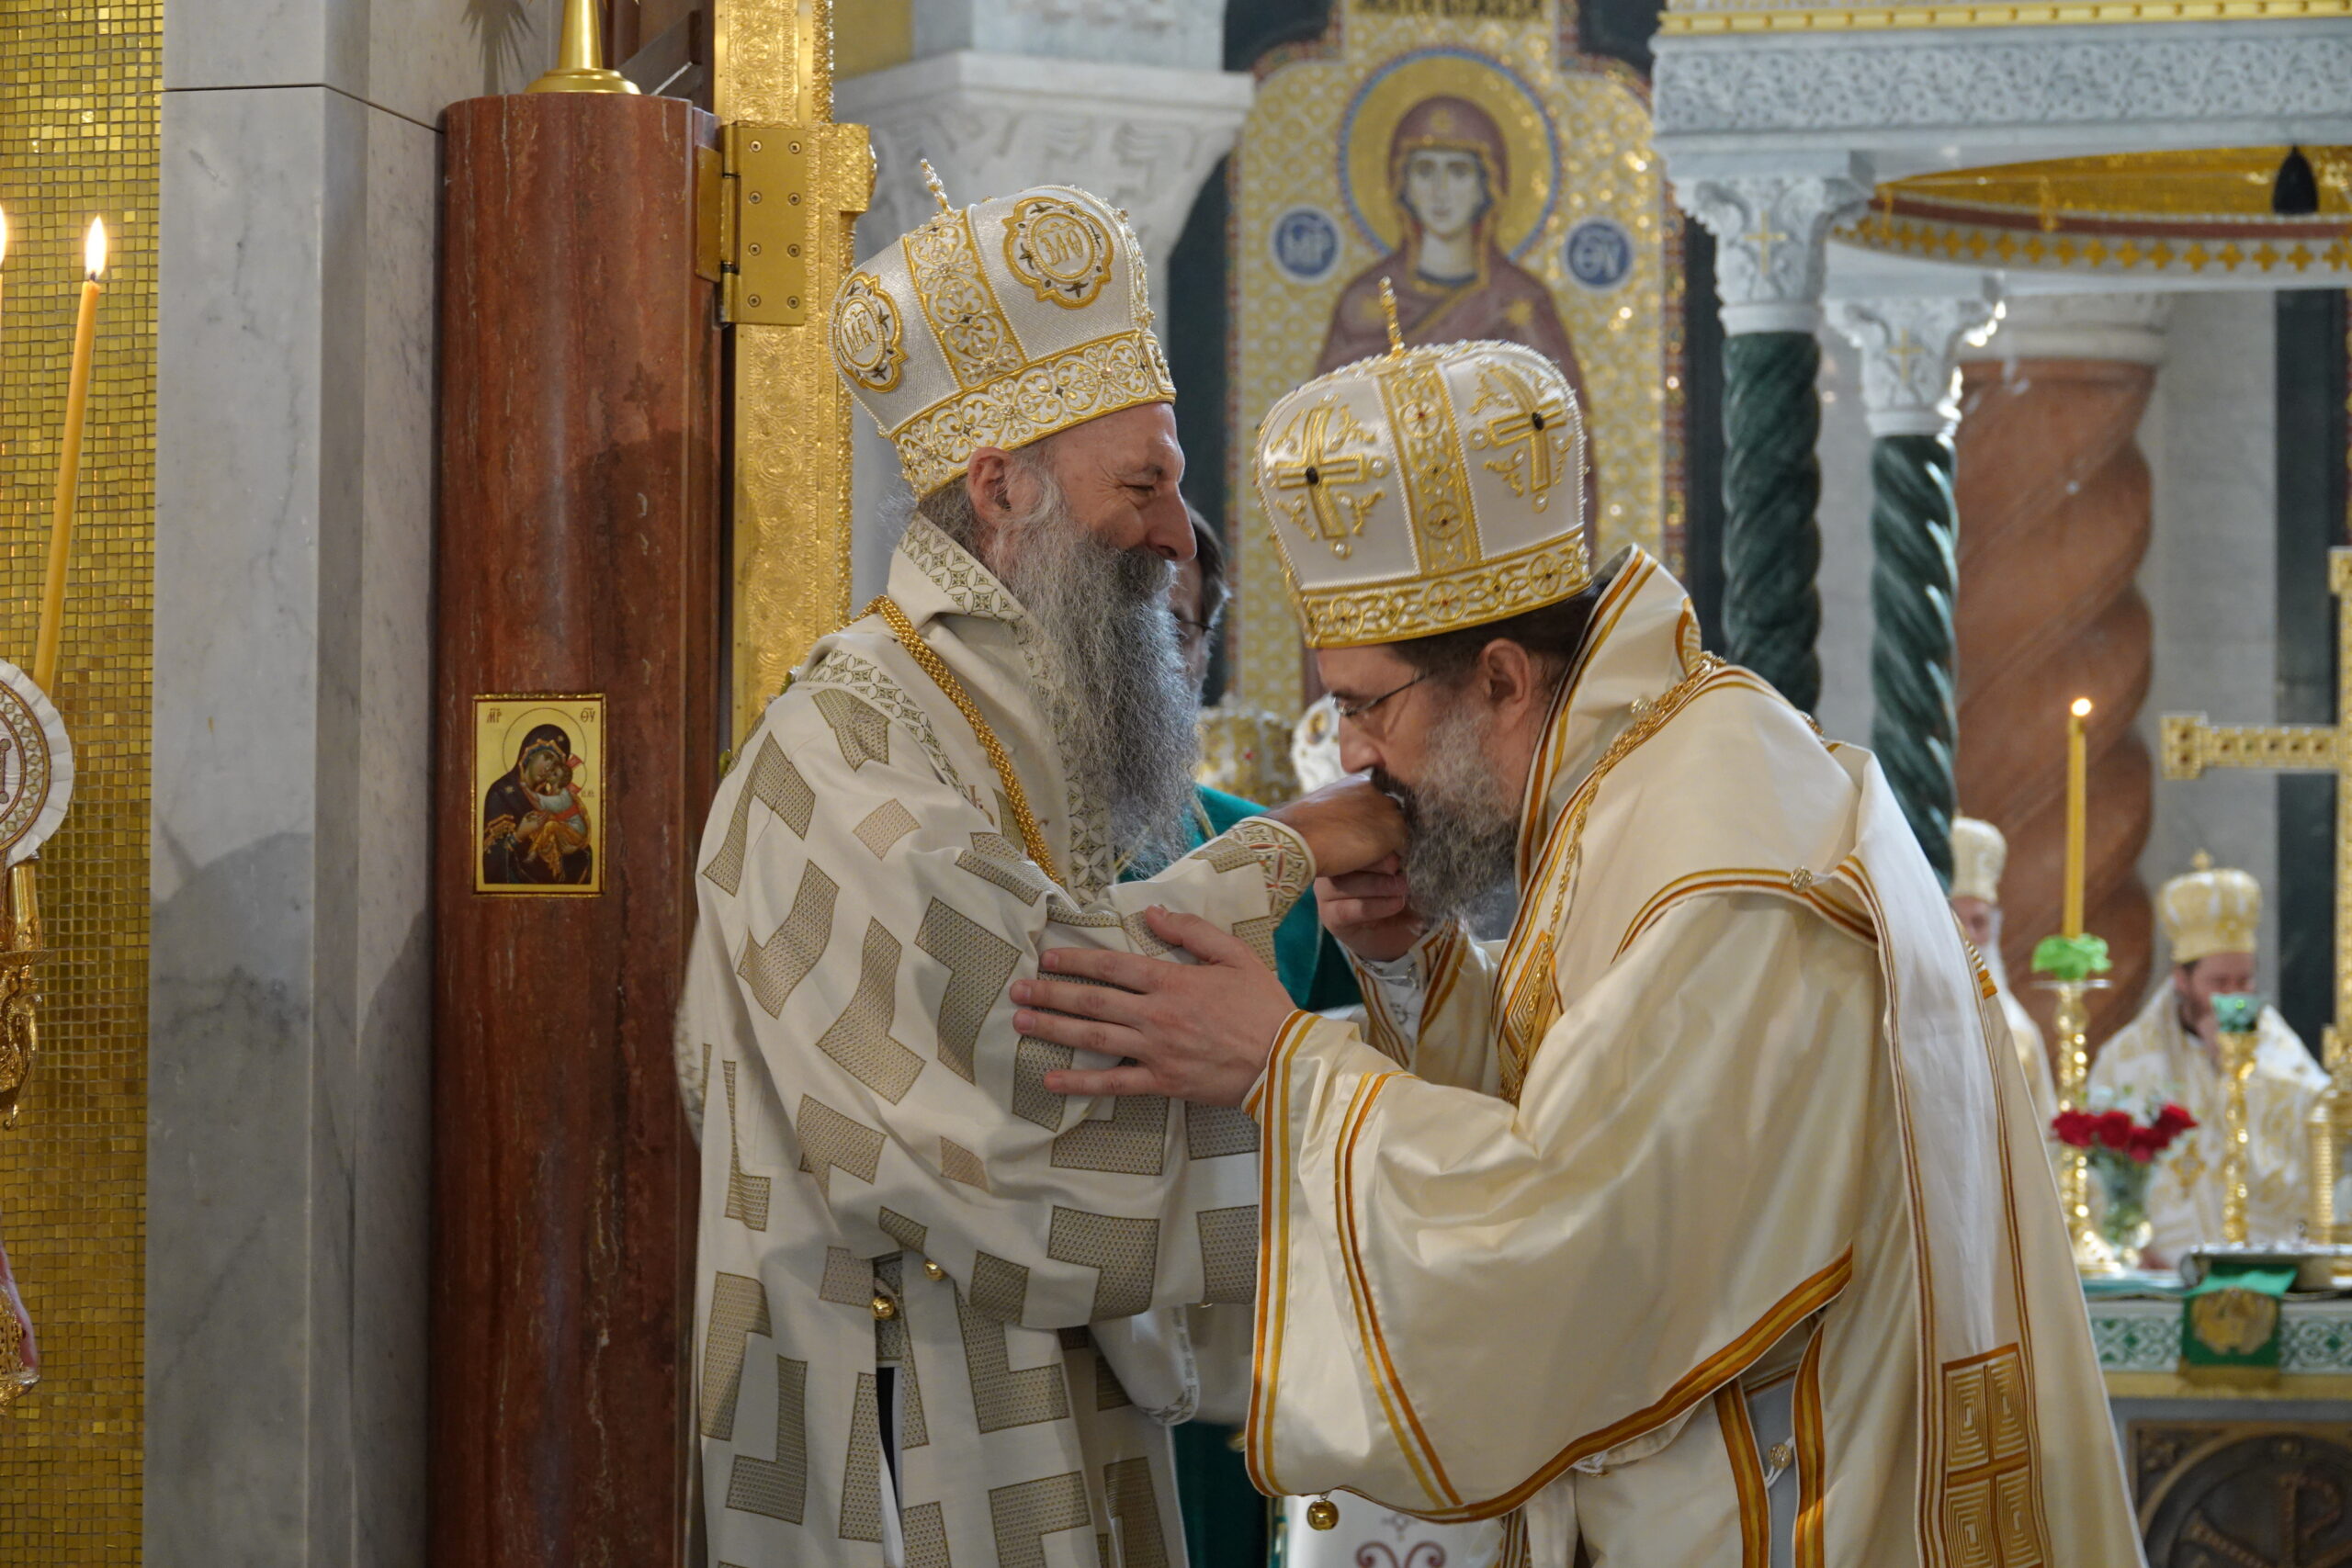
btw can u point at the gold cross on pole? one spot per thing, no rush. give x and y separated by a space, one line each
2190 744
1322 435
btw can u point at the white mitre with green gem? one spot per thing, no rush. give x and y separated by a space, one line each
1426 490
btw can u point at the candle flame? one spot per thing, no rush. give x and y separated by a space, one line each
94 249
2082 708
4 236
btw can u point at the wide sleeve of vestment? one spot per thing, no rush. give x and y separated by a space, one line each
862 919
1459 1298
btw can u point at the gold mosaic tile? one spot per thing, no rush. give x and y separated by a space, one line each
80 84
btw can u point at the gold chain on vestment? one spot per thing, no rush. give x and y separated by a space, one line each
1031 836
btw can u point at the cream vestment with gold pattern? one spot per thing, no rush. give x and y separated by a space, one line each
2154 1059
1709 1226
877 1133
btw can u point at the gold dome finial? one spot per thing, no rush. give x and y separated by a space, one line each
1388 308
2201 861
938 191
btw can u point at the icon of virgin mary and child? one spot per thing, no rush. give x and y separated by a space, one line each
535 827
1449 171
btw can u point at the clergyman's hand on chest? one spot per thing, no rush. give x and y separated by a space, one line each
1197 1032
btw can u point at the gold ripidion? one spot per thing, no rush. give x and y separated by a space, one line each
79 113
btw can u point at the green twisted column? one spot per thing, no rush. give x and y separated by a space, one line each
1913 530
1907 346
1772 486
1770 231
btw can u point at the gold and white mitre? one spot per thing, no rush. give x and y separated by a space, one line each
1425 490
1978 855
2209 912
997 325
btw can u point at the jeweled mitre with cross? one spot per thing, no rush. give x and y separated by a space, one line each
1426 489
996 325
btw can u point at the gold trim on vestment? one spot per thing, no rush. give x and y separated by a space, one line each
1420 1452
1815 1293
1746 1476
1535 822
1269 1102
1812 1462
1754 879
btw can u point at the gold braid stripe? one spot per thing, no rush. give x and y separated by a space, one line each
1031 836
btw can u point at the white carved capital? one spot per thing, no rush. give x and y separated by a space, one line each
2129 327
1907 366
1142 138
1770 230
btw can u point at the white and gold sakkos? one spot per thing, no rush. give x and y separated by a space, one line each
996 325
1424 490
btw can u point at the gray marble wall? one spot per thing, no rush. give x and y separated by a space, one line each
2210 437
1844 452
289 1050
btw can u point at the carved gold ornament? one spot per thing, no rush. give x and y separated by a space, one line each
1535 432
868 336
1087 382
2233 1321
1318 468
1060 250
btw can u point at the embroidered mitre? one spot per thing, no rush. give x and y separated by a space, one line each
1978 855
2209 912
997 325
1425 490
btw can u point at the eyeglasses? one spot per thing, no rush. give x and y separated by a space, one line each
1198 628
1353 712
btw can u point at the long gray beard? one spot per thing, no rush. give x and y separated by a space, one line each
1127 714
1462 825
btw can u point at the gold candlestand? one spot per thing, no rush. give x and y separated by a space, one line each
2237 1063
2329 1128
20 952
2093 1256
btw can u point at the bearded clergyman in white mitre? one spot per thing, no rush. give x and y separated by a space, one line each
1979 853
1705 1222
935 1301
2171 1052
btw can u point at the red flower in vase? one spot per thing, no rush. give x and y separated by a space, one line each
2122 1132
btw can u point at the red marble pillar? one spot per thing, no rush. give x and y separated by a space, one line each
577 556
2055 508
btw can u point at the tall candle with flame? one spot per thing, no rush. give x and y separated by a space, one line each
2077 815
69 460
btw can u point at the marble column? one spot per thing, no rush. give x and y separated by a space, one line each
1143 137
2058 500
1770 229
1907 399
286 1345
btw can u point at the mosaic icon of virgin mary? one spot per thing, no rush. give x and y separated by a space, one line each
1448 171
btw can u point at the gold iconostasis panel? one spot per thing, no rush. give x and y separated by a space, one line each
1506 187
80 111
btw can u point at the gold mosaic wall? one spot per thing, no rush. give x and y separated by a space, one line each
80 84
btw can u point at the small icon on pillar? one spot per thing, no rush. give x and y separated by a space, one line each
539 783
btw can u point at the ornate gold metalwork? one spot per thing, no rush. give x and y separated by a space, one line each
20 952
2328 1132
2237 1063
2191 745
772 63
2093 1256
1246 752
1033 837
1740 18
